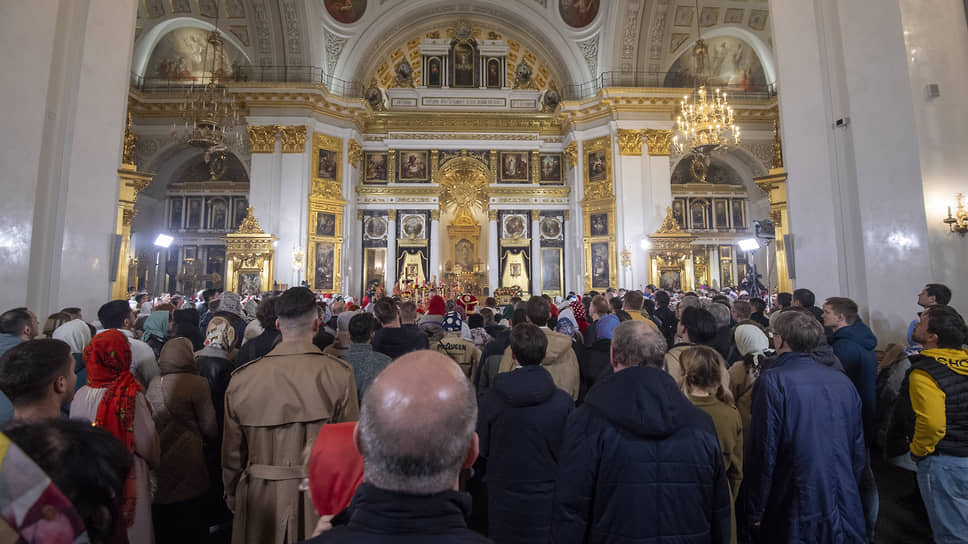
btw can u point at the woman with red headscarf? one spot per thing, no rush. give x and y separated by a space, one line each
113 400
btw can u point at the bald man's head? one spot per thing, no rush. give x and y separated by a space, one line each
417 425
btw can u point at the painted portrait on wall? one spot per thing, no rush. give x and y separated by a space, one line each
195 213
464 254
463 68
324 266
250 283
721 213
598 224
515 166
325 224
597 167
412 226
493 80
413 166
739 214
240 205
374 167
550 228
219 214
346 11
679 212
550 167
175 213
326 169
670 279
699 211
375 228
434 72
600 265
514 227
732 63
578 13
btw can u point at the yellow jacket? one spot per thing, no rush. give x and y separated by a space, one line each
928 400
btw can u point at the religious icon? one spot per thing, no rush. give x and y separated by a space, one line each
493 73
215 264
596 166
739 215
514 226
218 214
326 169
600 265
241 206
463 65
324 266
413 166
375 228
550 228
346 11
578 13
598 224
375 167
678 212
175 215
670 279
412 226
515 166
721 213
194 213
250 283
434 72
699 215
464 254
325 224
550 167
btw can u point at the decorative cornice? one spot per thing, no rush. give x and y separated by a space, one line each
354 153
293 138
262 138
659 142
630 142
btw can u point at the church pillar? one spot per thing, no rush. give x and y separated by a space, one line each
570 273
64 114
535 252
435 241
630 196
493 266
852 156
265 182
390 266
292 223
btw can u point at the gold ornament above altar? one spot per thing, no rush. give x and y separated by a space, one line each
249 253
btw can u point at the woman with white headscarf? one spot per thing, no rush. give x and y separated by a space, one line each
754 346
77 335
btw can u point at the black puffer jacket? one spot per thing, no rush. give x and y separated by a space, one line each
640 464
521 421
396 341
593 364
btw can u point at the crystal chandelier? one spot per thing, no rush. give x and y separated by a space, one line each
706 121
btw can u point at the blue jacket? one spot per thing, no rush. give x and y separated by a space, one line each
800 478
640 464
854 346
521 422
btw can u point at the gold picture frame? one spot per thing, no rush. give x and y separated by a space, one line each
324 235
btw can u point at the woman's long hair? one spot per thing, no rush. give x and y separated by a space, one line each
703 368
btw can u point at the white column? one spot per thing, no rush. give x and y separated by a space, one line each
572 245
435 245
390 267
493 260
856 205
64 111
291 217
714 277
535 253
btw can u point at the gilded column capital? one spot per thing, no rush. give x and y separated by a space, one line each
128 215
492 215
129 143
293 139
571 154
262 138
435 215
567 214
630 142
535 166
392 166
392 215
659 142
359 215
435 165
535 215
354 153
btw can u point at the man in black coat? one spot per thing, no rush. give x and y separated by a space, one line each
639 462
416 433
666 316
399 333
521 423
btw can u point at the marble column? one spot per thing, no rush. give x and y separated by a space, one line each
435 242
390 266
293 212
493 261
535 252
572 245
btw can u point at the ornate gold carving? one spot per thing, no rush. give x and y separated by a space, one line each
249 250
492 215
601 189
250 225
435 215
391 215
492 174
262 138
326 141
669 224
566 214
630 142
354 152
293 138
571 154
544 124
535 166
659 142
459 136
129 142
535 215
463 185
327 188
128 216
392 166
777 146
435 164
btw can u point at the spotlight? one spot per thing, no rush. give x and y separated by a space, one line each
749 244
163 240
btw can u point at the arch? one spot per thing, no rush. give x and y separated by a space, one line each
172 160
762 50
146 45
366 50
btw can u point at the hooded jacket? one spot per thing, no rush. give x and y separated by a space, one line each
560 361
594 363
521 422
396 341
640 464
854 346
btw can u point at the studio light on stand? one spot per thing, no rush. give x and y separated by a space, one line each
162 242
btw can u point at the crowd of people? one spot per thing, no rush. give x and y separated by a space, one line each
623 416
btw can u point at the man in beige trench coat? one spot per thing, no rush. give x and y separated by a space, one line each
274 407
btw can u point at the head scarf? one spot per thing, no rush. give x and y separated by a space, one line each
108 362
74 333
579 311
220 334
605 326
750 339
177 356
453 322
565 325
251 308
156 325
335 468
436 306
232 303
507 312
364 302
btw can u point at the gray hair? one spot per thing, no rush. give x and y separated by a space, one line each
799 330
720 313
637 343
423 457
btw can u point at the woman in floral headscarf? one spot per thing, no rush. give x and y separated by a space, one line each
215 362
113 400
579 311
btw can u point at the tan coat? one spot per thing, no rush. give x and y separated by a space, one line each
560 361
275 407
463 352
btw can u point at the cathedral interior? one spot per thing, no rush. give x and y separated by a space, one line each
483 146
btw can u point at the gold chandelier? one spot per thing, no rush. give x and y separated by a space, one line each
706 121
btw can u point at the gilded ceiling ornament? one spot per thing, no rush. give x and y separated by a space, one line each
293 138
354 152
630 142
463 186
571 154
262 138
659 142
